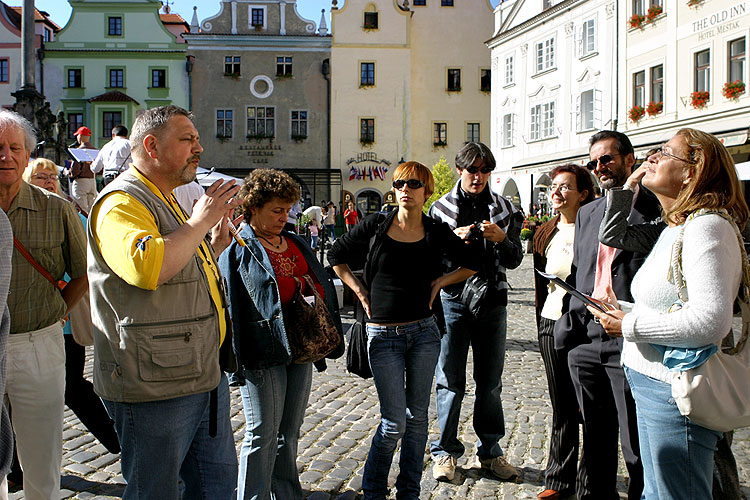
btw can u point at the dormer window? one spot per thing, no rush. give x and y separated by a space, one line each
256 18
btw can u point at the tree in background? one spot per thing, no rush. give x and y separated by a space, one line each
445 179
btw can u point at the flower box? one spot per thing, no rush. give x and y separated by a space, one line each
699 99
636 113
636 20
732 90
653 12
654 108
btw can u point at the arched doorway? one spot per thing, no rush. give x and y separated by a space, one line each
368 201
511 193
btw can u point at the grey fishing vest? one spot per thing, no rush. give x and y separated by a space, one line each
151 345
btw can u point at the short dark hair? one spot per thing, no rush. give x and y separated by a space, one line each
120 131
473 151
153 121
623 144
583 178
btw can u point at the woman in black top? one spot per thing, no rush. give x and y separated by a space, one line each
402 276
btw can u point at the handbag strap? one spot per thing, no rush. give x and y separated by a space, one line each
743 297
22 250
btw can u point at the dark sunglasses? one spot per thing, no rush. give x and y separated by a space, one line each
604 160
473 170
412 183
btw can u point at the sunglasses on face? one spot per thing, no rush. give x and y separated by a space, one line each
473 170
603 160
411 183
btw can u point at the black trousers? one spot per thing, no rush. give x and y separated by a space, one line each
562 462
607 408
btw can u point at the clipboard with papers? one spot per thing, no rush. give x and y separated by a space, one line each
83 154
586 299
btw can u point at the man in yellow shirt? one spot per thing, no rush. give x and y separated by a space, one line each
162 340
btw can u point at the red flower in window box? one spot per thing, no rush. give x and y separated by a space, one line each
653 13
636 21
694 3
698 100
654 108
636 113
732 90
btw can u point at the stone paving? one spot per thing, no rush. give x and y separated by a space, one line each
343 414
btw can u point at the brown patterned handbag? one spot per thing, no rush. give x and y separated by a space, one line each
310 329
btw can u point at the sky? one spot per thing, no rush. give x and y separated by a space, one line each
59 10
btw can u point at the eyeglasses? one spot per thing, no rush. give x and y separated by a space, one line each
604 160
473 170
660 153
564 188
411 183
44 177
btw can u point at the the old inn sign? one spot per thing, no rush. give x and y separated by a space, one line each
367 166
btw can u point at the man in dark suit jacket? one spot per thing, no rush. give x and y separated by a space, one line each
594 357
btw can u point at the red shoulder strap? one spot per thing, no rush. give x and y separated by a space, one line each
22 250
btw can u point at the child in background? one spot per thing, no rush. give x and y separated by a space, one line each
313 234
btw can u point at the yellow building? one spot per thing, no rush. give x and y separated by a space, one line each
410 80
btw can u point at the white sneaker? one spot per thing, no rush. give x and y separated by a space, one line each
444 467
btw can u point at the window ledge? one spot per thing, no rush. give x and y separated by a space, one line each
366 85
530 141
157 88
589 55
509 85
454 90
121 89
508 147
544 72
70 88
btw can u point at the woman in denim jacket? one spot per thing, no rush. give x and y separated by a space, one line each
402 276
260 283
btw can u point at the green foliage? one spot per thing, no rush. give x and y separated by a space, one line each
445 179
526 234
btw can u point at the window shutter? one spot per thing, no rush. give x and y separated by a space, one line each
578 124
597 109
514 127
579 37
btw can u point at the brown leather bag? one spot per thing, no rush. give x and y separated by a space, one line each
310 329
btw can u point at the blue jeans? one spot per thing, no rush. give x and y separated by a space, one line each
164 441
677 455
402 360
331 231
486 335
274 401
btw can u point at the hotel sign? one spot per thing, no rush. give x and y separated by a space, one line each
715 23
367 166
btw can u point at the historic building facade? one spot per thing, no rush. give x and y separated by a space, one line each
260 92
410 81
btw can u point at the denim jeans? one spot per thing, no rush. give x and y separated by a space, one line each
402 360
677 454
486 335
165 441
274 401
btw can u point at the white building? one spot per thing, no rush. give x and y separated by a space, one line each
553 81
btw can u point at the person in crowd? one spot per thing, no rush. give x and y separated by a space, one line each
402 330
6 433
704 178
329 220
571 188
492 227
313 226
114 157
160 354
48 229
79 392
593 356
261 281
291 218
82 178
351 217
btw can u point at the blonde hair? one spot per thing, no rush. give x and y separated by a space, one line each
415 170
714 183
38 165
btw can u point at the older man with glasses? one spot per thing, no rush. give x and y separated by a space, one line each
594 357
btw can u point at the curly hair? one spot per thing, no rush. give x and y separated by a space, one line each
264 184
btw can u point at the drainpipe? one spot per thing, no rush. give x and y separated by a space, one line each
189 69
617 66
325 69
40 56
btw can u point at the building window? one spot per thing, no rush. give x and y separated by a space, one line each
454 80
545 55
159 78
299 124
485 80
508 130
367 130
283 66
367 74
586 111
638 8
231 65
657 83
588 38
47 34
224 123
420 3
115 26
472 132
509 69
737 60
703 71
261 121
542 121
4 70
110 119
639 88
256 18
446 3
74 78
440 134
75 121
371 21
117 78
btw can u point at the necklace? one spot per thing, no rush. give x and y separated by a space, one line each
277 247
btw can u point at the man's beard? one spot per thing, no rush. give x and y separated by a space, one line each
188 174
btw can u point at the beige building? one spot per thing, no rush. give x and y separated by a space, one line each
410 81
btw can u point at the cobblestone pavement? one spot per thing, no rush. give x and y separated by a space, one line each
343 414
